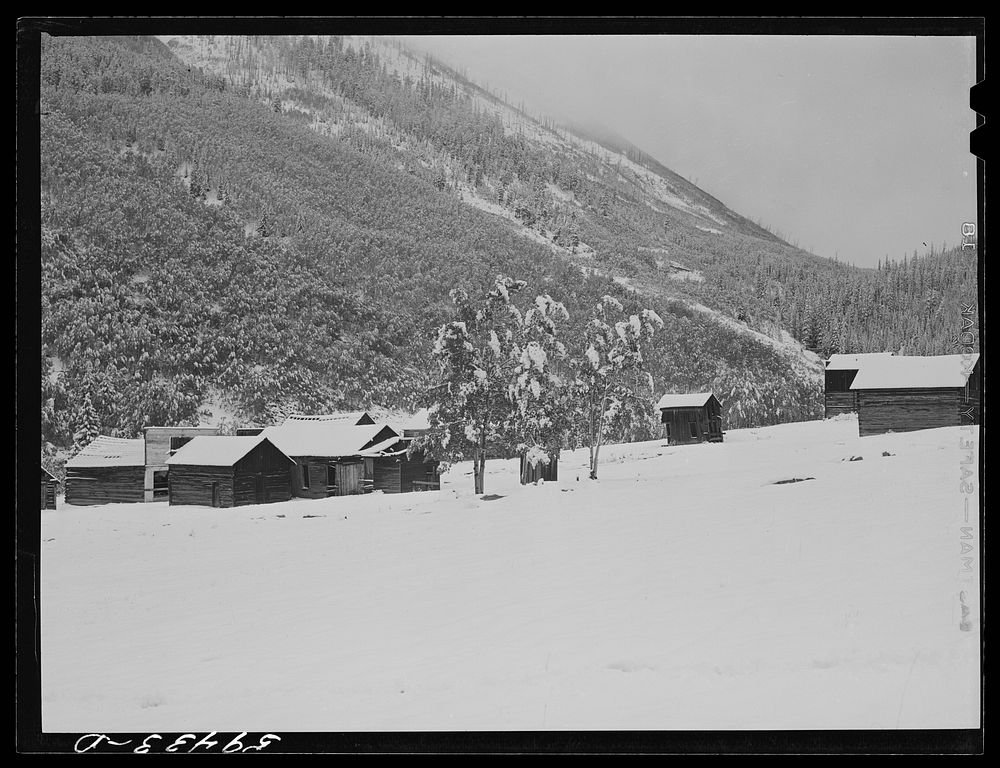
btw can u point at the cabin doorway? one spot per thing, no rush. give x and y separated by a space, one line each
349 477
259 487
215 495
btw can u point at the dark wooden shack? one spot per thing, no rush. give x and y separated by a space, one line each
328 454
903 394
109 470
217 471
49 483
532 472
838 397
691 418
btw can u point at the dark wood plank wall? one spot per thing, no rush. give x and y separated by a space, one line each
906 410
417 469
261 487
104 485
318 468
840 402
386 475
838 396
193 485
679 419
48 493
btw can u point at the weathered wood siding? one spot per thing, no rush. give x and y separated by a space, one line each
907 410
104 485
48 493
837 403
319 476
193 485
386 475
678 420
415 469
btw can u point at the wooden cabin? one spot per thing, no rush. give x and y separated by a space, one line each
49 483
328 454
161 444
216 471
110 469
840 371
691 418
903 394
534 471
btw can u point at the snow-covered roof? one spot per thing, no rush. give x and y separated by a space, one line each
382 448
46 475
323 438
853 362
344 417
111 452
692 400
938 371
214 450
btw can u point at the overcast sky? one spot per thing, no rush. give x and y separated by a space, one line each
849 146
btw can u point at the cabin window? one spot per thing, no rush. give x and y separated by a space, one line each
331 474
160 484
305 475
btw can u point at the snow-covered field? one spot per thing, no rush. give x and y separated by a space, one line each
682 590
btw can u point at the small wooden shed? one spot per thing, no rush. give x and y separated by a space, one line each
904 394
394 470
109 470
838 397
691 418
215 471
49 483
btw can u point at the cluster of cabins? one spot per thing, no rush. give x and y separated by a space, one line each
346 454
306 456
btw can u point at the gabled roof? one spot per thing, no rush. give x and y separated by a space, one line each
692 400
111 452
853 362
215 450
324 437
933 372
393 446
46 475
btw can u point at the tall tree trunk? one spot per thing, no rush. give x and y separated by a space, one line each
480 463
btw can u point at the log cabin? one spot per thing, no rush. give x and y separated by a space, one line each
161 444
903 394
691 418
216 471
394 468
838 376
109 470
328 453
49 483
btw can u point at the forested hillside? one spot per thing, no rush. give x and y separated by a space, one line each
280 232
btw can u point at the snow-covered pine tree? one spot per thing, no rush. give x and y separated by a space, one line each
89 425
612 388
472 407
538 390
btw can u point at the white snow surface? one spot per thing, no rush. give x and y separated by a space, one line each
681 590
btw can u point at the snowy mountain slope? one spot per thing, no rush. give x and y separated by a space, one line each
682 590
